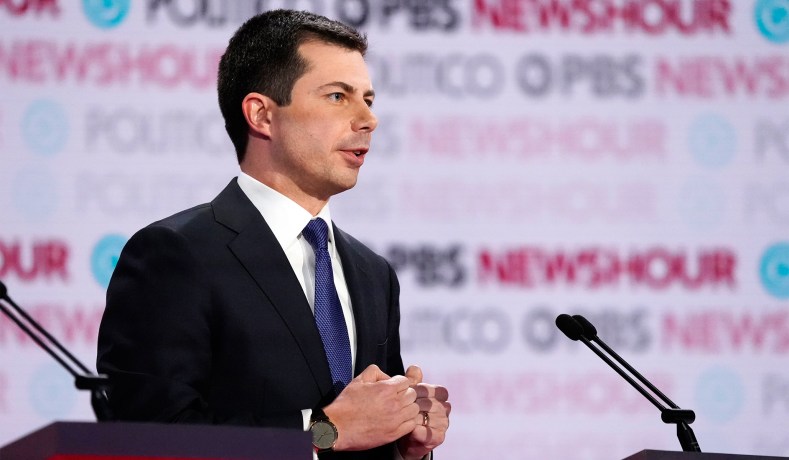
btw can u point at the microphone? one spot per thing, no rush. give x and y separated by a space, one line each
84 379
577 327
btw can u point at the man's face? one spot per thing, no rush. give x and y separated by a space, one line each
320 139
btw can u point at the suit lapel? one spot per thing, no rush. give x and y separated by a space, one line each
356 271
258 251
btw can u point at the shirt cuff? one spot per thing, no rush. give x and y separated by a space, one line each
305 416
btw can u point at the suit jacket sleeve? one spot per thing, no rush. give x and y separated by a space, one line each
155 339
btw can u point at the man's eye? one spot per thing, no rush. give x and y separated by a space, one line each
337 97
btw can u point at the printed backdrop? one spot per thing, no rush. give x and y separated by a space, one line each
623 159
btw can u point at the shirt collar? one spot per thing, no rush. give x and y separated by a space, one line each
284 216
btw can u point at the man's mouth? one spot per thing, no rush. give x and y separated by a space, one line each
357 152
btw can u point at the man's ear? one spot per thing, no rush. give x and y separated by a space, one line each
257 110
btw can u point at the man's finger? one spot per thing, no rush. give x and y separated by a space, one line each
426 390
408 396
442 394
425 404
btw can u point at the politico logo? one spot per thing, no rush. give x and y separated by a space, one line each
772 19
477 75
106 14
128 131
465 331
774 270
105 256
213 13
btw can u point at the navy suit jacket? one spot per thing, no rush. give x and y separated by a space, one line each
207 323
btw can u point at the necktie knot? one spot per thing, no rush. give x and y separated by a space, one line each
317 234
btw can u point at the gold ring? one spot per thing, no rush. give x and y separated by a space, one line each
425 418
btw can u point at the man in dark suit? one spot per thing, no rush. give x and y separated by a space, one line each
255 309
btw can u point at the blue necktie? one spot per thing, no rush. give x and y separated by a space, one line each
328 311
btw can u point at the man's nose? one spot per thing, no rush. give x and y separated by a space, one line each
364 119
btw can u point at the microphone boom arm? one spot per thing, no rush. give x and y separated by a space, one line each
84 379
579 328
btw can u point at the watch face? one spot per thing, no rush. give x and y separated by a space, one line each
323 435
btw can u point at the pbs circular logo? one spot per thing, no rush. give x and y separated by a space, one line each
51 392
712 141
45 127
720 394
106 14
772 19
774 270
105 257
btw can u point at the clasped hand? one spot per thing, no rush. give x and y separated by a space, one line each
376 409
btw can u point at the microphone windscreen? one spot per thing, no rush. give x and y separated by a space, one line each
569 326
588 329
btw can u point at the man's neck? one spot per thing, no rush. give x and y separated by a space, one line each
286 187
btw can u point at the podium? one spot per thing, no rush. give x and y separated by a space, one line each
669 455
152 441
138 441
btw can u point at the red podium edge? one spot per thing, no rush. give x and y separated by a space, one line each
137 441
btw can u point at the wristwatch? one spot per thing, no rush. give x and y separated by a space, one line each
324 433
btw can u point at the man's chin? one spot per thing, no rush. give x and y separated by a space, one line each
346 186
342 184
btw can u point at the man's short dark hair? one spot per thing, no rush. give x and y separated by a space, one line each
262 56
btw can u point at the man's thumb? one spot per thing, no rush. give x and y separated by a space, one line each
414 374
372 374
